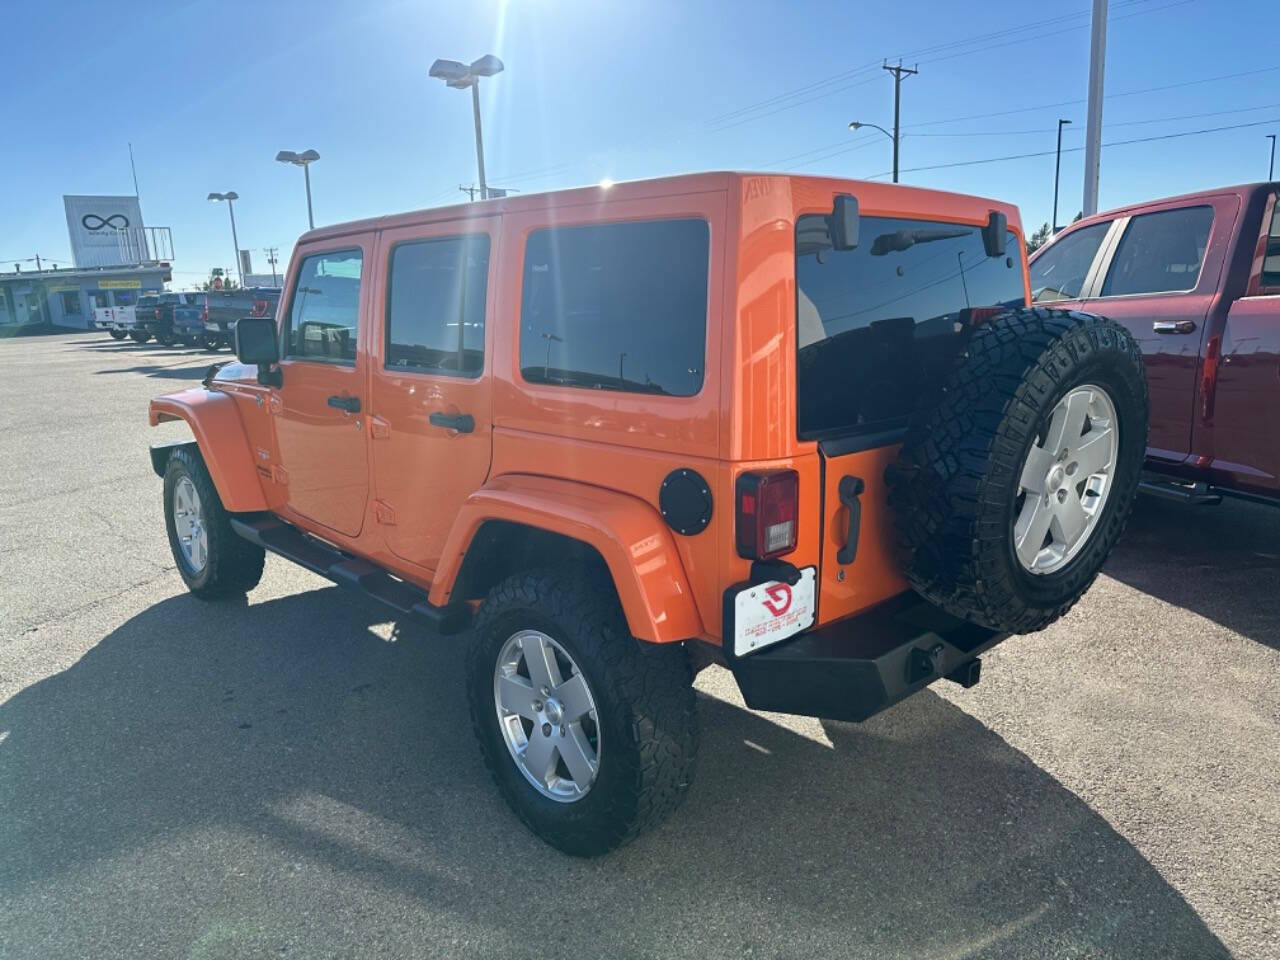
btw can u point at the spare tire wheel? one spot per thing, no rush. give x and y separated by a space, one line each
1016 480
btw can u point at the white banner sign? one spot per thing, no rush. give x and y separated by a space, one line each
93 224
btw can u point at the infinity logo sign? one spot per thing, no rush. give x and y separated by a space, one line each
117 221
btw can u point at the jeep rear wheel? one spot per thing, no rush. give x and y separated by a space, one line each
1012 488
213 561
589 738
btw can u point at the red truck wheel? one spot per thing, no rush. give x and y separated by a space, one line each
1015 483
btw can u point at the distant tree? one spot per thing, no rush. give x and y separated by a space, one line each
1039 238
1078 216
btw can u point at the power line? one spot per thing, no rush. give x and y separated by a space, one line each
1049 153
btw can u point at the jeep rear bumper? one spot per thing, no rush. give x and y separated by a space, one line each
854 668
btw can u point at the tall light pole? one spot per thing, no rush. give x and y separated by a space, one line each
1057 171
858 125
460 76
231 196
303 160
1271 170
1093 131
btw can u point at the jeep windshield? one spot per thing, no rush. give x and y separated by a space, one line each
878 323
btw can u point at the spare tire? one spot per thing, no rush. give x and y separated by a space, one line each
1016 479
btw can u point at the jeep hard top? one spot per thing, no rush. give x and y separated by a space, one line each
805 428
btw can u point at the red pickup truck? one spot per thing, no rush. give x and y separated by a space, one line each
1196 280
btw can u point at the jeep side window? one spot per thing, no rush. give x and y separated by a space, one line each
325 308
619 306
436 305
1059 273
1160 253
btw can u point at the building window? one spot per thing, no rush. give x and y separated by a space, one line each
70 303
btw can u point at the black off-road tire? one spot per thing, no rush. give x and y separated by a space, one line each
139 336
954 487
645 707
117 334
234 565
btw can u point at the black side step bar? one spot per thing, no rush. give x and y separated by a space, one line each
1199 494
348 571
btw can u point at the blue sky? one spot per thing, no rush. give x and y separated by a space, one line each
209 92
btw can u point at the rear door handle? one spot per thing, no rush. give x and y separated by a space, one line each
462 422
349 404
850 490
1173 326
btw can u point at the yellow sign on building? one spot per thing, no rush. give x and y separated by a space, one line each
119 284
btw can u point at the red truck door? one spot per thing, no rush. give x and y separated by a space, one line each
1159 276
1246 403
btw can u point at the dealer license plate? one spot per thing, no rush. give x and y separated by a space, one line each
768 613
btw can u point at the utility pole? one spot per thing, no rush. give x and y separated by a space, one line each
898 73
469 191
271 259
1057 171
1271 170
1093 130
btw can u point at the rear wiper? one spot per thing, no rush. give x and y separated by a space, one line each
903 239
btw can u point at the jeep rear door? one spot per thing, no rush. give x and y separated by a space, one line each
431 374
878 326
319 409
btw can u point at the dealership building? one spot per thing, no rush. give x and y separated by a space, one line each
116 260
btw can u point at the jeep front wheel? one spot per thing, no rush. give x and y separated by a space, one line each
213 561
1013 486
589 738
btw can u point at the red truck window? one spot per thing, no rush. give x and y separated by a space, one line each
1270 279
1160 253
1059 273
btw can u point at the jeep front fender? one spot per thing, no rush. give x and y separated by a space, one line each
628 533
219 434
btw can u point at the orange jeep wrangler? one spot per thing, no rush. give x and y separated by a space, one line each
805 428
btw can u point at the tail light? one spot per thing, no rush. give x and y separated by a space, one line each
157 313
259 308
768 513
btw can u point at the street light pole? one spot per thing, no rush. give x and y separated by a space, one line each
475 110
858 125
230 197
1057 171
303 160
460 76
1271 170
1093 128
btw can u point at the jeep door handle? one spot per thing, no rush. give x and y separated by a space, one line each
349 404
850 490
462 422
1173 326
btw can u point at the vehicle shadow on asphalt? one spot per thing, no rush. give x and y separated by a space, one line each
303 722
194 371
1221 562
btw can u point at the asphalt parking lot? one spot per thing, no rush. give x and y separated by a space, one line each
296 776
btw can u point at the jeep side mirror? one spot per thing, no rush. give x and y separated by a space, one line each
995 234
257 343
843 223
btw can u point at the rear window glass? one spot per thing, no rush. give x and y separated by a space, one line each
435 305
878 322
1059 273
1160 253
619 306
1271 256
